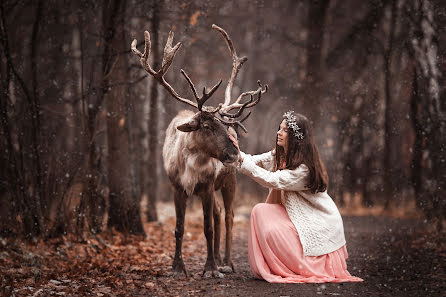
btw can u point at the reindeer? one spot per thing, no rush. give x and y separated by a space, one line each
200 153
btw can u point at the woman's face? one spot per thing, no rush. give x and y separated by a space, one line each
282 135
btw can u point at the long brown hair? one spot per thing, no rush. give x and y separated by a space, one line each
303 151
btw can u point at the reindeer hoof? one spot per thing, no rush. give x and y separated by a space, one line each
213 273
225 269
177 274
178 270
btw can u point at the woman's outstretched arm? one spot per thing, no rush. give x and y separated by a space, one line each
265 160
289 180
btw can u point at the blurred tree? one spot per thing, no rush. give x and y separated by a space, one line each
317 14
12 180
153 122
92 95
389 177
428 112
352 69
361 70
124 211
25 187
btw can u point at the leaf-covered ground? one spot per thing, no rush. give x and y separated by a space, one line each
395 257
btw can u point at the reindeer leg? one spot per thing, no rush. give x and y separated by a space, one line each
217 229
206 192
228 193
180 208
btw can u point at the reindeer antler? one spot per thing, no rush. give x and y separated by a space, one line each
233 122
168 56
236 65
222 109
201 100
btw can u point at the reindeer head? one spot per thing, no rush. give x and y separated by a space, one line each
212 137
213 128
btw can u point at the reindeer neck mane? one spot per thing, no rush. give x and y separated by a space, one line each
198 168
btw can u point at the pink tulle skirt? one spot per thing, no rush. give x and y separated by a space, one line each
275 252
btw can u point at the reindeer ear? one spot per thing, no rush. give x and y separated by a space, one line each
233 132
190 126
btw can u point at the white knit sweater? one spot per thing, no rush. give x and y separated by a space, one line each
315 216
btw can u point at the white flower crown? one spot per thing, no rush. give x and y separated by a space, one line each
291 123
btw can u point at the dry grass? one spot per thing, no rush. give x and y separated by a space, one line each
354 207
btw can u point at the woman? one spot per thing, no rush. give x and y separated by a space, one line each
297 236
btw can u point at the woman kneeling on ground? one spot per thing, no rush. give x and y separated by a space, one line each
297 236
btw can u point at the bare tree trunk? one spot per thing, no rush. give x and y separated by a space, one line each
90 107
124 213
314 79
416 166
424 49
316 28
30 205
91 198
388 168
135 202
35 114
13 182
152 165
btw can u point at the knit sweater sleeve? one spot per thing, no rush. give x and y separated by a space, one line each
264 160
288 180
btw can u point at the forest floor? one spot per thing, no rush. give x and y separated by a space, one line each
394 256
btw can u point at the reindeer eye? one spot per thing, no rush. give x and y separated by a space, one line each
206 126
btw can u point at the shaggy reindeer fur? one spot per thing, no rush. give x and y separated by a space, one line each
193 162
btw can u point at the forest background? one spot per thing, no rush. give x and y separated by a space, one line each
82 125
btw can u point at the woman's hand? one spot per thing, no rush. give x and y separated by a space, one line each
234 141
